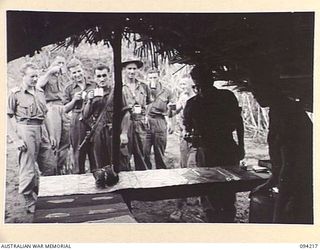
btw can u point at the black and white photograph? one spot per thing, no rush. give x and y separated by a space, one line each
159 117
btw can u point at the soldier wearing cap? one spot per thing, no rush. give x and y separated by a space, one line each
28 106
73 98
157 113
53 82
136 97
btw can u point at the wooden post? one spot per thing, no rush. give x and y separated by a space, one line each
117 100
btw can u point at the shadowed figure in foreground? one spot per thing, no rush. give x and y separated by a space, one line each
210 118
290 148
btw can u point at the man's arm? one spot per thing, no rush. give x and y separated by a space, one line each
50 129
148 94
89 106
70 105
277 151
12 132
43 80
276 170
180 104
236 117
171 124
125 124
187 117
170 120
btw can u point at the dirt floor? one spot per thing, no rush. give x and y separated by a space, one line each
144 212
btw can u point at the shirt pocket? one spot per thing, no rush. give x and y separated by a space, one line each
142 98
27 109
160 104
54 87
42 106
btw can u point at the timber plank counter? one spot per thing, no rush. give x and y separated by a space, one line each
75 198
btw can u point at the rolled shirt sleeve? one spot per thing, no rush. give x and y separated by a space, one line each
11 108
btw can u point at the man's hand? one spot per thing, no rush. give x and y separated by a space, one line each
53 142
54 69
77 96
124 139
172 106
90 95
170 128
20 144
147 123
264 187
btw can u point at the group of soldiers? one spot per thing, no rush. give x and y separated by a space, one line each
64 109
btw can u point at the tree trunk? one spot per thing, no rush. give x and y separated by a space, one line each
117 101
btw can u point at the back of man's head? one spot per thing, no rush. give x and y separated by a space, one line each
202 75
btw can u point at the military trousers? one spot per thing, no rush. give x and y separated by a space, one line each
137 133
102 146
31 161
156 137
187 154
60 122
78 131
219 205
187 160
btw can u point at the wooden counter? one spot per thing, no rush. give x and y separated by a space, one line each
79 193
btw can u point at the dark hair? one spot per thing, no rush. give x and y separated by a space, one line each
153 70
202 75
101 66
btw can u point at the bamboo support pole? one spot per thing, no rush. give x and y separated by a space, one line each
117 100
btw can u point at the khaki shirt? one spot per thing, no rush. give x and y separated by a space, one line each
25 105
159 104
140 96
72 89
54 88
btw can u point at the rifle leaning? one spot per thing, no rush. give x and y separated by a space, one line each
92 131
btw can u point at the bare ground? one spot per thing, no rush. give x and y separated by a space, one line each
144 212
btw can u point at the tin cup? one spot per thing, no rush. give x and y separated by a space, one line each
172 106
84 95
98 92
153 84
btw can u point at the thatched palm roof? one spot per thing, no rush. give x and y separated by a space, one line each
234 40
221 38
